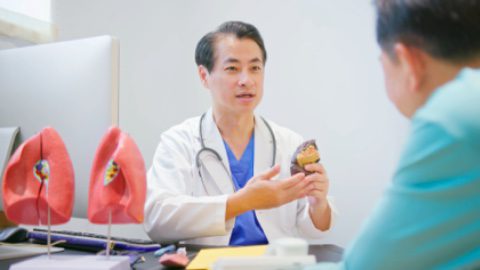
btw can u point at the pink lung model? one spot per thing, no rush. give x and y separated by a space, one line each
39 175
117 181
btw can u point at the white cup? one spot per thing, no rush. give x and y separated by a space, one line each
288 247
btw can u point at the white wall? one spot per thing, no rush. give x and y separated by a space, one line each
38 9
323 79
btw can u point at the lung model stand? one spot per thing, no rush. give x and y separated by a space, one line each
38 184
38 189
117 182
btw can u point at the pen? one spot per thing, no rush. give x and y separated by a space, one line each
163 250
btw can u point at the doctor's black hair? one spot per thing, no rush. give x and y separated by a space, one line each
445 29
205 50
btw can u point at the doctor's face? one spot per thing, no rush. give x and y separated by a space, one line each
236 80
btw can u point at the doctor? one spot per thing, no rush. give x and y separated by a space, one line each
223 178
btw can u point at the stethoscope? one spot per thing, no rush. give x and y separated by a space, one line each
206 150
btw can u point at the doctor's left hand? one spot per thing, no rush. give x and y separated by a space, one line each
319 208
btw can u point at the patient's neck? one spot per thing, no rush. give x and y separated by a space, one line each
439 72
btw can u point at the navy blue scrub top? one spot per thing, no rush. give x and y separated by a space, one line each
247 230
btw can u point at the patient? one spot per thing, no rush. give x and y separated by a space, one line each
429 217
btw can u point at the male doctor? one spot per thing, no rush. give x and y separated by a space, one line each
223 178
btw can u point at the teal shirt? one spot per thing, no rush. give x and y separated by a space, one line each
429 217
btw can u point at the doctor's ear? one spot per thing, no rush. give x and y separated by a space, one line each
203 73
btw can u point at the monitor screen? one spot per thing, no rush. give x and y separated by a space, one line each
71 86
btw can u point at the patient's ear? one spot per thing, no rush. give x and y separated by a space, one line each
203 73
413 63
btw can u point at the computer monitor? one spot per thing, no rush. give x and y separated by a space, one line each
71 86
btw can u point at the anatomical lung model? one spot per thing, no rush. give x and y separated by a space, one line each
39 176
117 181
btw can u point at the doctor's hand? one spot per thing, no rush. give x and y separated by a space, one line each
319 209
262 193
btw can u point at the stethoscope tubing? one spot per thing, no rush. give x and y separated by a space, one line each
217 155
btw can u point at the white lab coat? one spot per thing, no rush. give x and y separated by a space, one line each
182 206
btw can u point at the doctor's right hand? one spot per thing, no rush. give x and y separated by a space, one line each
263 193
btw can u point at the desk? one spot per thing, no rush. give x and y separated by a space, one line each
323 253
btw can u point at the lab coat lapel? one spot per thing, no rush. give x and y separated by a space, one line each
214 140
263 147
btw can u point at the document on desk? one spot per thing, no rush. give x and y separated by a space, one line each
11 251
206 257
